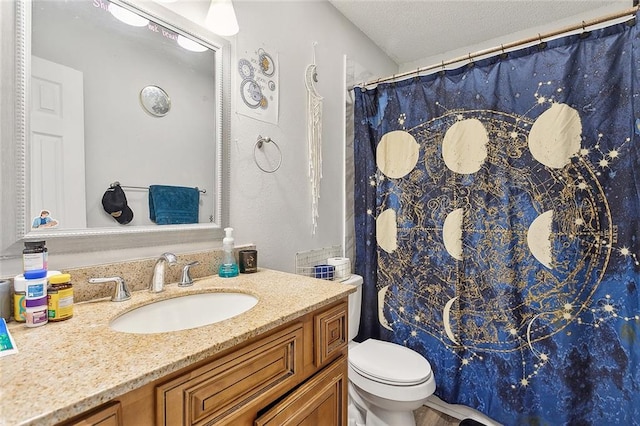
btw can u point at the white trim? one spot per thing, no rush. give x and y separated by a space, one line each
343 197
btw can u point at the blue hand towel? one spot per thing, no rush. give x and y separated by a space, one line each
170 205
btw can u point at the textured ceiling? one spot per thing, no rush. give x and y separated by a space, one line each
411 30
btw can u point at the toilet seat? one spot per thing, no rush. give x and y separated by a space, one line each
389 363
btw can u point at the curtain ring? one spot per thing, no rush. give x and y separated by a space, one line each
259 143
584 34
470 64
542 44
504 54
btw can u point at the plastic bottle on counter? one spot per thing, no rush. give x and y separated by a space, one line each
229 266
19 295
36 306
35 285
35 312
19 301
60 298
34 256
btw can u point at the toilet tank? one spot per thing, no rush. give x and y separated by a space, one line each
355 305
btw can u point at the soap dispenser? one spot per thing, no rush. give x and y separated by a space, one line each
229 266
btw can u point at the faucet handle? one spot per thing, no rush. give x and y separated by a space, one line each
120 290
186 280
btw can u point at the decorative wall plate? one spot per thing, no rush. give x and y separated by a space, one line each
155 101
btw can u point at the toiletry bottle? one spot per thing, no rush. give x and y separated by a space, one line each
229 267
34 255
60 298
35 313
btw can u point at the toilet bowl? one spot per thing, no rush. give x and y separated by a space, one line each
387 381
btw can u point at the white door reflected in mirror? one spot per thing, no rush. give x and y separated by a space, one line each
57 133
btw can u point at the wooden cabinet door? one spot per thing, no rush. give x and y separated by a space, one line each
322 400
108 415
331 333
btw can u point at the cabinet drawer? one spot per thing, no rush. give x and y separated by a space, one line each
216 392
331 333
322 400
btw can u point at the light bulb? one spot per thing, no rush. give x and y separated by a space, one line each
221 18
189 44
127 16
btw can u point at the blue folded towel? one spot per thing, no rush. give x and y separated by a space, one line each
170 205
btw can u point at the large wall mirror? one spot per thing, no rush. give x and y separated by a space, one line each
99 101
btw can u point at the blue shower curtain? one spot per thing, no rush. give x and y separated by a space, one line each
497 215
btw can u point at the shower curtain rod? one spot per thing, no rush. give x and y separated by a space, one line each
502 48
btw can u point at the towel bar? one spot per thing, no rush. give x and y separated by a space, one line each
116 183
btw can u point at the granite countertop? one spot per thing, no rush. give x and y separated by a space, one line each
65 368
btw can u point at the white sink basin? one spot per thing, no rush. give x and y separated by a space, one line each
183 313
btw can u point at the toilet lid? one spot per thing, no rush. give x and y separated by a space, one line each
389 363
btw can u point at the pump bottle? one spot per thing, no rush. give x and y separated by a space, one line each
229 266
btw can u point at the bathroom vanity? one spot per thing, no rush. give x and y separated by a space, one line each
283 359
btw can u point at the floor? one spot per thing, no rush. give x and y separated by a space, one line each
426 416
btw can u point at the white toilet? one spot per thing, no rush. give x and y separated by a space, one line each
386 381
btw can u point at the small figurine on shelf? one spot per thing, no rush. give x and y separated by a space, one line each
44 221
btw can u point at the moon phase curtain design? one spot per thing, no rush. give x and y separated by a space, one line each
497 211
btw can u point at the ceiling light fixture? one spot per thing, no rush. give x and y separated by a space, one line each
221 18
127 16
189 44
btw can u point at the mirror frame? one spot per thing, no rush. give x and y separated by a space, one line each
15 48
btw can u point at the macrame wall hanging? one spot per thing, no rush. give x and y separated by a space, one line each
314 136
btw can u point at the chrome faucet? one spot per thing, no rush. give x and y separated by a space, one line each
157 280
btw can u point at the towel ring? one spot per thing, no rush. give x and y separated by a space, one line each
259 143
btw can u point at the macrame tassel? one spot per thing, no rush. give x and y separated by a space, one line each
314 140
